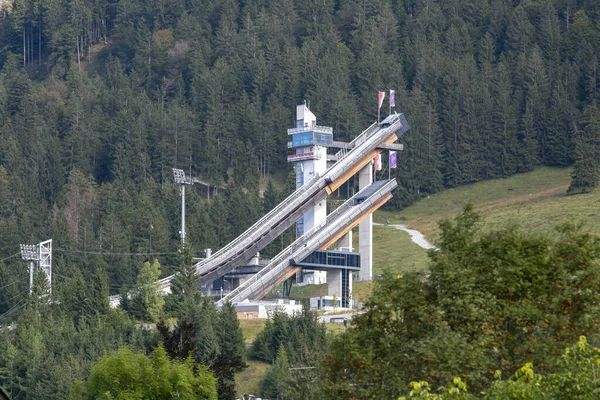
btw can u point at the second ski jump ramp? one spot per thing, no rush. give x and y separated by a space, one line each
320 237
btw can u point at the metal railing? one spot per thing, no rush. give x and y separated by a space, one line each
374 138
342 153
313 128
248 234
268 275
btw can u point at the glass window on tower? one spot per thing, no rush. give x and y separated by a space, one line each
323 139
302 139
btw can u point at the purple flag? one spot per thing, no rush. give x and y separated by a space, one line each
392 98
393 159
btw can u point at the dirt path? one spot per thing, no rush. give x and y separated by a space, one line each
553 192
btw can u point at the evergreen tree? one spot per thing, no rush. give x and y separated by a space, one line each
184 303
232 350
99 292
276 379
586 172
147 301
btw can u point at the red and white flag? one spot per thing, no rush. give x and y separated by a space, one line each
381 97
377 162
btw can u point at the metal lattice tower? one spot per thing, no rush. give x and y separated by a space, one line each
45 260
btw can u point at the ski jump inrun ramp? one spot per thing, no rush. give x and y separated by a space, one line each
361 151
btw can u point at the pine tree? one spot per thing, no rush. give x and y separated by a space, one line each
586 171
232 350
99 292
184 303
147 300
276 378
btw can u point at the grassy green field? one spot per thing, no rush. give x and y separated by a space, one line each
394 250
248 380
251 327
537 200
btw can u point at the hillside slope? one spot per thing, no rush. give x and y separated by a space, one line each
536 200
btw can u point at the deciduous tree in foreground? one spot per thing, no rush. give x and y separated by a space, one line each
130 375
494 300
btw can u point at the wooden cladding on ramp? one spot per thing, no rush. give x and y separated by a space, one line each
333 186
371 209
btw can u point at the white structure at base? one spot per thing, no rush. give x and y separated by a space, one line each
264 309
365 230
310 277
325 303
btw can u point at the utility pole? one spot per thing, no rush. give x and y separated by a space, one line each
182 181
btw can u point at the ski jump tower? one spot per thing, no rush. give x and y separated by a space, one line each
310 142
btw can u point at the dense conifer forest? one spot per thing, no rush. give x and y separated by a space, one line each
99 100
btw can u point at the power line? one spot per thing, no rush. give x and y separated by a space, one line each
12 283
104 253
15 296
15 307
9 257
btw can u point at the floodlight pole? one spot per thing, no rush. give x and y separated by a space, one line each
182 180
29 252
182 216
30 278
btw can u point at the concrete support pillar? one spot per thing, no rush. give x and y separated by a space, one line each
339 284
345 241
365 230
334 282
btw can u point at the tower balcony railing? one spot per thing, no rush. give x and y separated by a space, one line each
312 128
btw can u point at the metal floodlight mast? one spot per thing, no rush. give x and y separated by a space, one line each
181 180
41 255
44 252
179 176
29 252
